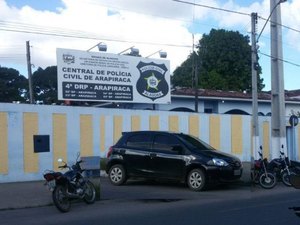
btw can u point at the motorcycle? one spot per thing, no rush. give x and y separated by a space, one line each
281 168
260 173
69 186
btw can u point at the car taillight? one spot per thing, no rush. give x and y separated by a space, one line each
109 151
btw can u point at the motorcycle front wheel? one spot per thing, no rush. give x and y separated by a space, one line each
285 177
60 199
267 180
89 193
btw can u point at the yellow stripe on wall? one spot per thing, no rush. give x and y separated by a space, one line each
59 123
194 125
173 123
86 135
266 139
236 134
118 127
3 143
154 123
135 123
214 131
30 128
102 134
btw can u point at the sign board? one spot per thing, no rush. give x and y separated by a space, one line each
93 76
293 120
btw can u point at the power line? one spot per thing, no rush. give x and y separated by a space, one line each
211 7
282 25
283 60
233 11
27 28
59 32
245 14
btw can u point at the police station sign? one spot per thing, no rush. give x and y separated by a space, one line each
92 76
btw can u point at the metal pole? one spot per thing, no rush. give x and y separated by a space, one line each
31 99
293 155
255 137
196 86
195 76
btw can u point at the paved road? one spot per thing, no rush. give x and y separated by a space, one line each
145 203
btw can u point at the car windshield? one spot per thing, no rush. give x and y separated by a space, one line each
195 142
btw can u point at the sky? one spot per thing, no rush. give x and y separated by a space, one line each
149 25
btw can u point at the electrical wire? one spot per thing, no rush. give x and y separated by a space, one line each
33 29
283 60
59 32
245 14
214 8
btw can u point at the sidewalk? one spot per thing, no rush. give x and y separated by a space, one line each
24 194
28 194
34 193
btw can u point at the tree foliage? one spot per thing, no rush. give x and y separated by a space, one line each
45 85
223 61
13 85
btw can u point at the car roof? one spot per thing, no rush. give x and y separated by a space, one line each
150 131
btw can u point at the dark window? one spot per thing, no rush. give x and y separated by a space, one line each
195 142
208 110
165 142
139 141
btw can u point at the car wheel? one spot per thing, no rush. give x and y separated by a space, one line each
117 175
196 180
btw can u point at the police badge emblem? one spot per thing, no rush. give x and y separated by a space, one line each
152 83
68 58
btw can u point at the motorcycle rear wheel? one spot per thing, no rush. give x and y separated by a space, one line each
60 199
267 180
255 176
89 193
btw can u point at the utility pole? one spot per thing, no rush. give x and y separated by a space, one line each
31 99
254 67
277 81
195 76
196 86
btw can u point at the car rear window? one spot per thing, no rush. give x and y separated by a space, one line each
139 141
165 142
195 142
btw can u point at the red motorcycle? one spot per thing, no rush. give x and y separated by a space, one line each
69 186
260 173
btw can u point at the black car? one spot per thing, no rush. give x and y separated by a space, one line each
167 155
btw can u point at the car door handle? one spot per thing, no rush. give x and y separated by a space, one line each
152 155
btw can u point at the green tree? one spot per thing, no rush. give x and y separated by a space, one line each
45 85
13 85
223 61
183 74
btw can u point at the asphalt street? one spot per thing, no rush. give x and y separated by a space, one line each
146 202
